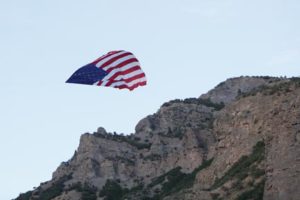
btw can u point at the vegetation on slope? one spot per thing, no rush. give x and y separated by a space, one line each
271 89
197 101
170 182
133 141
56 189
247 166
175 180
112 191
24 196
87 192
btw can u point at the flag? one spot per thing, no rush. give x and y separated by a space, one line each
118 69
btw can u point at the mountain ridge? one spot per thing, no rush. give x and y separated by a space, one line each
222 145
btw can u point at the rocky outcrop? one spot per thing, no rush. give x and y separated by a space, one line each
228 90
239 141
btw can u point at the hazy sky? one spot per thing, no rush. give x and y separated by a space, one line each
185 48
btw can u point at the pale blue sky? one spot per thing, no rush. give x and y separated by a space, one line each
185 48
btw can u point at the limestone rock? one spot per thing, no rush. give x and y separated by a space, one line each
197 148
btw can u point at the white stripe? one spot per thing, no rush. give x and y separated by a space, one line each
122 77
126 76
104 82
131 74
118 62
100 63
128 66
119 83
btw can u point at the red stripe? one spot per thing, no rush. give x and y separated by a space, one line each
99 83
115 59
105 56
132 87
122 64
135 68
138 76
128 80
120 73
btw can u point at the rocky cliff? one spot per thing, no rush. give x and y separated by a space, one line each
239 141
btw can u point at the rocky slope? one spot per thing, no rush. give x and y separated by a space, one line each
239 141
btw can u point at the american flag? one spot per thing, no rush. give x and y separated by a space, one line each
118 69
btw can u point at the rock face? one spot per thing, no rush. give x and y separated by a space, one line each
228 90
239 141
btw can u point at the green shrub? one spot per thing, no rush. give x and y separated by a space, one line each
112 191
88 192
24 196
55 190
138 145
198 101
134 141
175 180
209 103
280 87
52 192
152 157
215 196
125 160
182 181
162 178
257 172
172 181
242 168
256 193
175 133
